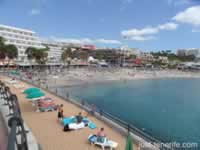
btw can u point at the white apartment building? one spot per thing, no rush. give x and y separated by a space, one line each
55 50
188 52
21 38
129 51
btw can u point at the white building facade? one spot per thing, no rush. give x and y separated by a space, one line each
21 38
187 52
55 50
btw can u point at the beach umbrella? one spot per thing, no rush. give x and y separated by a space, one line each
129 144
35 95
30 90
34 92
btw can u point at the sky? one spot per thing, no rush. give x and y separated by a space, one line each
145 24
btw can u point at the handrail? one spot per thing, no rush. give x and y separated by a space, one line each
12 136
17 139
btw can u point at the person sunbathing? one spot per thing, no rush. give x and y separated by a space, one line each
101 136
79 118
101 133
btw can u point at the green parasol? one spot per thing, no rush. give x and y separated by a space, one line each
35 95
129 144
31 90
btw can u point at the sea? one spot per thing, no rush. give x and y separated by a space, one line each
168 109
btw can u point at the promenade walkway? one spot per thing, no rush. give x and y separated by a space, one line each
3 134
49 133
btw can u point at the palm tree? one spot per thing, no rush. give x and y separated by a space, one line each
11 52
2 48
40 55
29 52
84 55
66 54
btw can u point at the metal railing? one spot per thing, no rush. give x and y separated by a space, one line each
17 139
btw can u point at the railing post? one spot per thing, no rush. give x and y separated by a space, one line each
56 91
101 112
128 128
82 102
67 95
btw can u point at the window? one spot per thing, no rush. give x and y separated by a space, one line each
21 52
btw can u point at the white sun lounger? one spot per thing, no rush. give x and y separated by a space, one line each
19 86
11 81
106 143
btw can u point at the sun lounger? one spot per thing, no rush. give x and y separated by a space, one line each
19 86
11 81
105 143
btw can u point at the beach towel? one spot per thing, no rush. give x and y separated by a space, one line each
73 126
85 120
91 125
68 121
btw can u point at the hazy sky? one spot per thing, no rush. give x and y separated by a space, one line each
144 24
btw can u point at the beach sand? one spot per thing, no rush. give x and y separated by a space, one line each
74 77
49 133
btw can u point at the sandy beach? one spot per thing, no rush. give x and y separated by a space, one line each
49 132
86 75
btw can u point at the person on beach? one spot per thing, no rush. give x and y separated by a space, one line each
60 113
93 109
101 133
79 117
85 113
101 136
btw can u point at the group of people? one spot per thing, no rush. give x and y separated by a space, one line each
60 116
79 118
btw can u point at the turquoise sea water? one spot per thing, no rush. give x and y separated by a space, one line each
169 109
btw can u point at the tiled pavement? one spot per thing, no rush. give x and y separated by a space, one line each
3 134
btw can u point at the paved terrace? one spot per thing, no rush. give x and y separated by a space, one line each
49 133
3 134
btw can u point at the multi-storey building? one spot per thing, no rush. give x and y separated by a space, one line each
125 50
21 38
188 52
55 50
146 56
181 52
195 52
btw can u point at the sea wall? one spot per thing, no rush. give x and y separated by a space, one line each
32 142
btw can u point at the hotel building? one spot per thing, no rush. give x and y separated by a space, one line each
21 38
55 50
